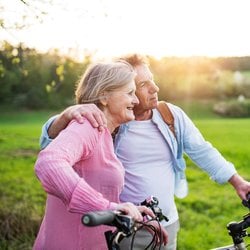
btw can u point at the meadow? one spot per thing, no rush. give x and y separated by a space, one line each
203 214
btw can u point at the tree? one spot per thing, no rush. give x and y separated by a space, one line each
37 80
31 11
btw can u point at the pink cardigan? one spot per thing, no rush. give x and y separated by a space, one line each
93 183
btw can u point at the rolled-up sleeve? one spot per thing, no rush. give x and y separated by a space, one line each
207 157
54 170
44 138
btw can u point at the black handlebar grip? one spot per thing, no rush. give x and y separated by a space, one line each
92 219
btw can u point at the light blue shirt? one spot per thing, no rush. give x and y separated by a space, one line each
188 140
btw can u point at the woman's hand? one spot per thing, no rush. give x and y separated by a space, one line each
135 212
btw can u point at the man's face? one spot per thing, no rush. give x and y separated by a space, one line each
146 89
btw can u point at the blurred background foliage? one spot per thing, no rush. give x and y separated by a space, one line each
34 80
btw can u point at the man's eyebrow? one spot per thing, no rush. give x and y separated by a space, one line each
142 81
146 80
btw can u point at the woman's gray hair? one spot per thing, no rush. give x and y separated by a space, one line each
103 77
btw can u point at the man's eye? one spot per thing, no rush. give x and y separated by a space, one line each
141 84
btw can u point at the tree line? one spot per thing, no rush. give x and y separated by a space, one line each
34 80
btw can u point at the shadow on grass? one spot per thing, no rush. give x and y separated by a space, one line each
18 227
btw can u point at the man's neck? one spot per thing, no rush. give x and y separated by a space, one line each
144 115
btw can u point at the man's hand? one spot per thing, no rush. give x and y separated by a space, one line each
80 111
89 111
241 186
162 235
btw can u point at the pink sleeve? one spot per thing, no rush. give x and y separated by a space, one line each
54 169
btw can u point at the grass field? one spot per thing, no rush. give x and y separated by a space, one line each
203 214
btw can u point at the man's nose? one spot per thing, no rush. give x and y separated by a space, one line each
154 87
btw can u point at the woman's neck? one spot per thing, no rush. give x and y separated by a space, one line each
111 124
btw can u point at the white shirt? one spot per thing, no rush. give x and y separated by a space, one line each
146 158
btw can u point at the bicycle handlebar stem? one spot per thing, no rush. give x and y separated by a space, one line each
237 230
125 227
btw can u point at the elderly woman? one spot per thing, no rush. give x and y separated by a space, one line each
79 170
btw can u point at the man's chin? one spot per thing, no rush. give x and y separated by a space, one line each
154 104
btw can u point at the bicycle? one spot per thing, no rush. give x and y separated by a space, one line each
126 227
238 230
124 224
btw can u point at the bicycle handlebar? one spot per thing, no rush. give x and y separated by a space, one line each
111 218
97 218
125 225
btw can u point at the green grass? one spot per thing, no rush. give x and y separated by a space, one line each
21 196
203 214
209 206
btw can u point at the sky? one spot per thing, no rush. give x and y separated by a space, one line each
154 27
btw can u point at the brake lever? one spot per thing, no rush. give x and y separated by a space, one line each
246 202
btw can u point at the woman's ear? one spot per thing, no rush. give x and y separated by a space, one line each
104 99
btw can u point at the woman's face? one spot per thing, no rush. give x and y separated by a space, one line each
120 104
